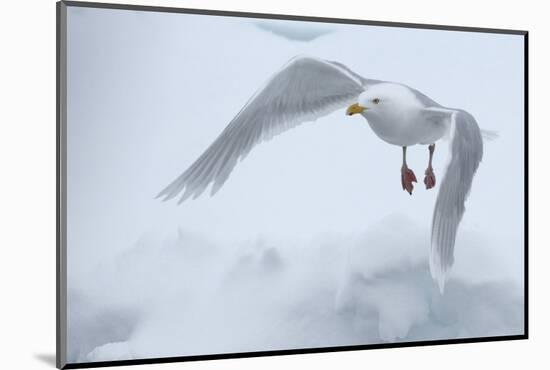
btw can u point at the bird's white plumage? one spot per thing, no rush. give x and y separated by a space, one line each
398 116
304 90
307 88
466 151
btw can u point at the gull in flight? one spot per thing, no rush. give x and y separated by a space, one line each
307 88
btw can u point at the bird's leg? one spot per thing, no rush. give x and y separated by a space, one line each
429 179
407 175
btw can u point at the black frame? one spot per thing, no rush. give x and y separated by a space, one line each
61 145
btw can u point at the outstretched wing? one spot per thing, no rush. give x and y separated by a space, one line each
466 151
304 90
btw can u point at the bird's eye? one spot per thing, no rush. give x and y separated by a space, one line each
376 101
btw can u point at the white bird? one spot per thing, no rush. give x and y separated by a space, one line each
307 88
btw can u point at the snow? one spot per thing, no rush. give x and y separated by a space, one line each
189 296
311 242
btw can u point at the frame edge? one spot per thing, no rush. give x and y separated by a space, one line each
61 156
526 184
289 17
61 169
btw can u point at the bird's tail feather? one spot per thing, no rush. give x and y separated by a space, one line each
489 135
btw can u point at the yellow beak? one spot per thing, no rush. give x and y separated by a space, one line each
355 108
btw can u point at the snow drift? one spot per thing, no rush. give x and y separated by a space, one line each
189 296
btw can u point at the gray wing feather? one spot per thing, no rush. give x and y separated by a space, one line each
304 90
466 152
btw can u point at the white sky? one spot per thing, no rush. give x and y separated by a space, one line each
148 92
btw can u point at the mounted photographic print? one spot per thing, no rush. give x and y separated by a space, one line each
236 184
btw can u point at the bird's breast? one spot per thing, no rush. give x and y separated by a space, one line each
401 128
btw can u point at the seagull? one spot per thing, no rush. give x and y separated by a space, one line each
307 88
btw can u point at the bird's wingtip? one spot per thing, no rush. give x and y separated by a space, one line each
440 280
441 285
438 273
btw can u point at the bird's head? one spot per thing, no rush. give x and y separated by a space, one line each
383 97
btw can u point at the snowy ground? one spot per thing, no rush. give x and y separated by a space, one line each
311 242
189 296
